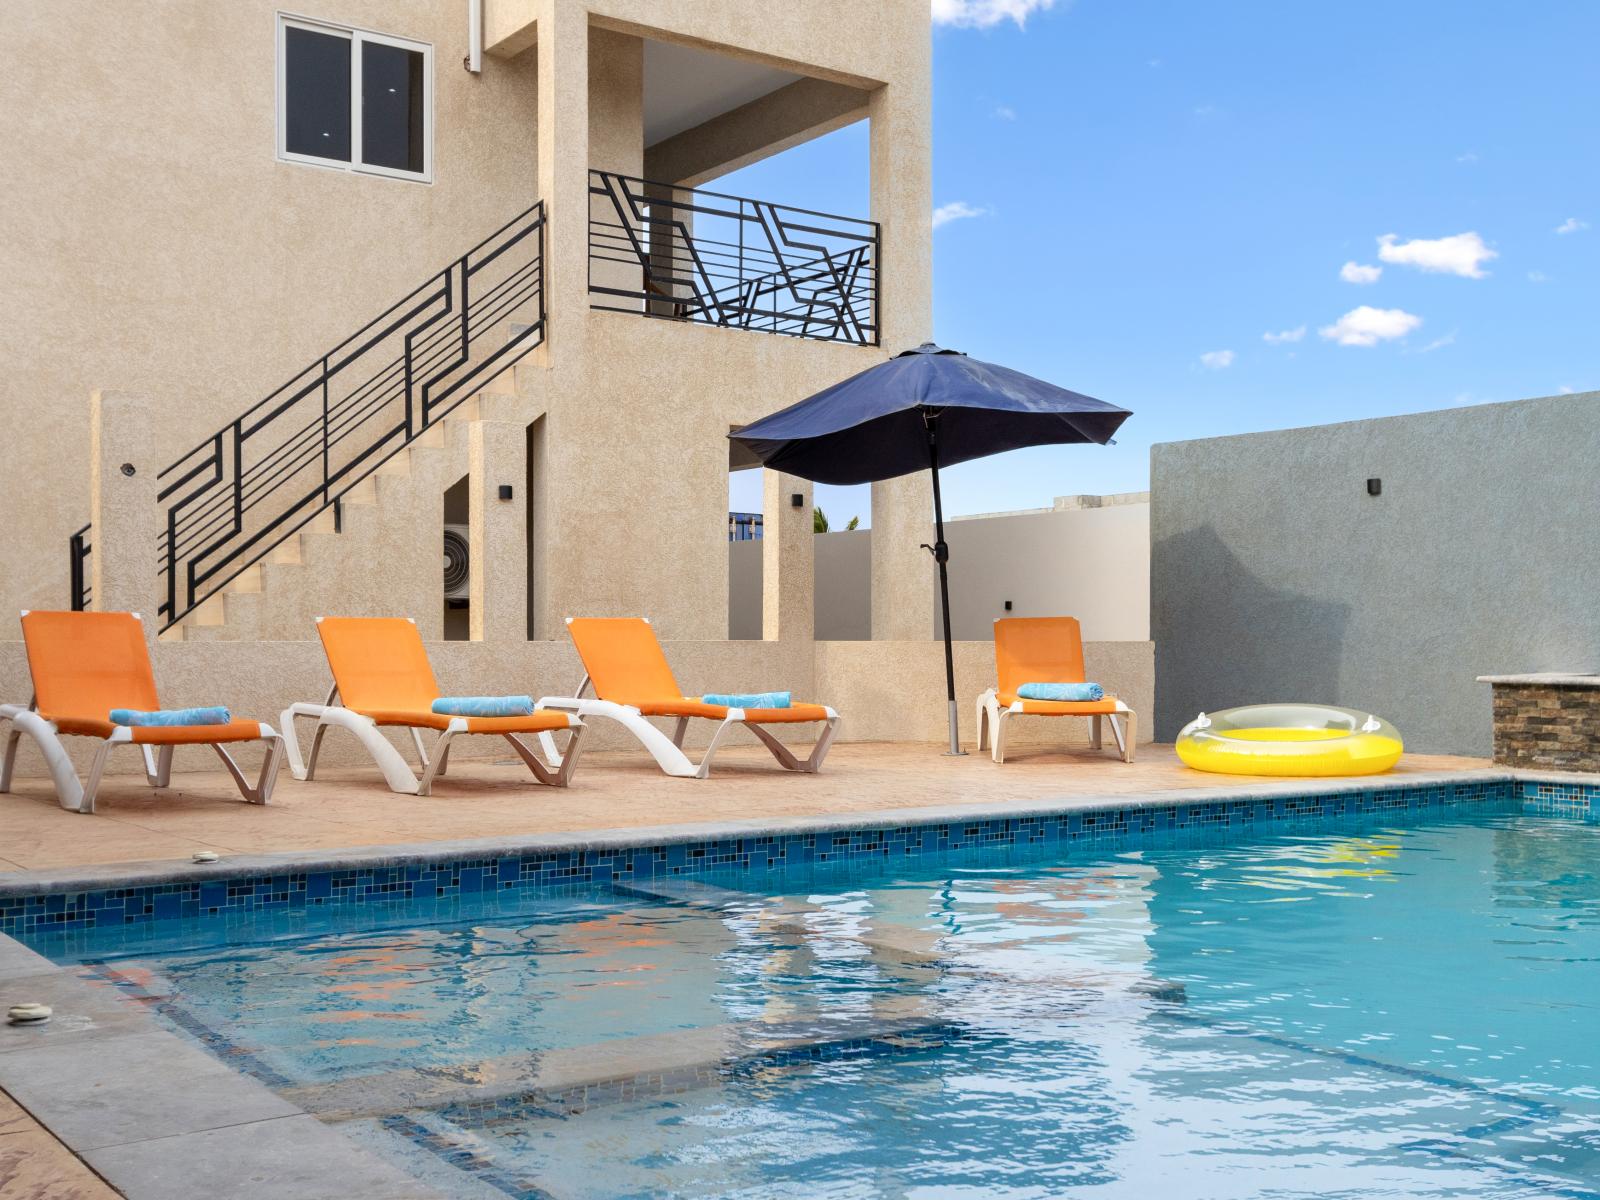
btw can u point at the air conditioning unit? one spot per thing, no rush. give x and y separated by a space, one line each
457 564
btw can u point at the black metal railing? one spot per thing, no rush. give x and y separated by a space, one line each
744 527
78 549
263 476
692 255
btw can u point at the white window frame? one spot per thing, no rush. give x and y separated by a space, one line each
356 37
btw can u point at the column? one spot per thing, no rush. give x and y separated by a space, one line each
498 531
125 457
788 555
902 204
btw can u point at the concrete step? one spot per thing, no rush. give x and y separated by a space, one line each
399 465
365 492
248 580
209 612
285 553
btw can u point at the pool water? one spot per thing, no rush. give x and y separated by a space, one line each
1352 1011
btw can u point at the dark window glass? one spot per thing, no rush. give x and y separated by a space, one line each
316 80
391 107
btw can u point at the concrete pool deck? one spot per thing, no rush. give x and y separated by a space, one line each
614 791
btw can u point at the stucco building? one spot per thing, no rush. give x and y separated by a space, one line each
485 249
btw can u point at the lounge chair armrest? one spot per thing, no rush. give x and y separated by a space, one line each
566 704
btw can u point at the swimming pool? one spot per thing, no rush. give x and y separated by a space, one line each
1367 1003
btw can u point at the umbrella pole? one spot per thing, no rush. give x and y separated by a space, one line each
941 555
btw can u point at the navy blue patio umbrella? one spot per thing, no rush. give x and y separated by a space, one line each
923 409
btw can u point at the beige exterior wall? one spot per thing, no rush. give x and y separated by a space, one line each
157 249
153 243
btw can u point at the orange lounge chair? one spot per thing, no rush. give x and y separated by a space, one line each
84 664
381 673
632 681
1044 650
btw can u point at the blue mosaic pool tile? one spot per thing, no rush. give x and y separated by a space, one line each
1550 799
1102 830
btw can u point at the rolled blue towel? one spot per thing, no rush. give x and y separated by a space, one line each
214 715
484 706
1074 693
748 699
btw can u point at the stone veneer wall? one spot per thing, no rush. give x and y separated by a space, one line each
1547 726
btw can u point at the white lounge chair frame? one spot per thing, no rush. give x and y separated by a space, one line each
668 751
75 796
992 719
396 772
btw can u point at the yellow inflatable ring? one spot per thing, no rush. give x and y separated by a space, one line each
1290 739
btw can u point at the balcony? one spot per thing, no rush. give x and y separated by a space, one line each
685 254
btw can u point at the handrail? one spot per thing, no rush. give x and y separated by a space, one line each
78 550
271 470
693 255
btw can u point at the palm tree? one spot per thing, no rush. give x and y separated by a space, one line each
819 521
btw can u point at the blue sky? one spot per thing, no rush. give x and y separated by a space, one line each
1157 186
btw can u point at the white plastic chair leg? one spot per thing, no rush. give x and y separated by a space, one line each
668 757
1002 718
97 767
557 773
69 791
786 757
261 793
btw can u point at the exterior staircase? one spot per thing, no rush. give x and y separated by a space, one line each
327 496
379 555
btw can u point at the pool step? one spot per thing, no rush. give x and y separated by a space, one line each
576 1078
906 943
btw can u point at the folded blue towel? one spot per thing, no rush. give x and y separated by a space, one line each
215 715
1076 693
484 706
748 700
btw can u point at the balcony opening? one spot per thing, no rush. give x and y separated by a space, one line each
672 237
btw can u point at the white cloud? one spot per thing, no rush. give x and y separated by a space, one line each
956 210
1005 112
1468 158
1367 326
1565 390
983 14
1286 335
1460 254
1354 272
1538 277
1448 339
1571 225
1217 360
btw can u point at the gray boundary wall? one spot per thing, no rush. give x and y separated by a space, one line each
1276 576
1087 558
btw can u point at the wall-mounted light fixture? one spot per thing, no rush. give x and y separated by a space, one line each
505 491
796 500
1008 606
1374 487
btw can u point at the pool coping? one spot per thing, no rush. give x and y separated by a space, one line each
164 871
177 1152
